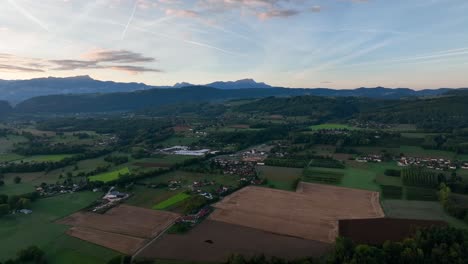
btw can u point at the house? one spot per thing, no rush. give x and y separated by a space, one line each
25 211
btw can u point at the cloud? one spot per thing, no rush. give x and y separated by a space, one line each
133 69
182 13
70 65
117 56
13 68
118 60
316 9
277 13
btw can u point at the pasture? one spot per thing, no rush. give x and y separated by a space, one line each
425 210
47 158
304 214
280 177
19 231
173 200
110 176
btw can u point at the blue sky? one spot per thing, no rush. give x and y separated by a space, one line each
292 43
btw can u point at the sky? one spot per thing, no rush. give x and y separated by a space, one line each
291 43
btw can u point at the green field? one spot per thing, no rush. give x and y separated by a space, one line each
20 231
331 126
419 210
47 158
7 143
143 196
171 201
10 157
110 176
280 177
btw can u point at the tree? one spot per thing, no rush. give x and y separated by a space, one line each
31 254
4 209
23 203
2 183
17 179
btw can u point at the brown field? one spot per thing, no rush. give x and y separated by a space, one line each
377 231
152 164
121 243
309 213
213 241
123 228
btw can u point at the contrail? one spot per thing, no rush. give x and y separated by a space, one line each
437 54
200 44
28 15
129 20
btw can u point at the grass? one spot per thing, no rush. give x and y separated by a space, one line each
143 196
110 176
10 157
331 126
19 231
7 143
175 199
323 175
420 210
280 177
47 158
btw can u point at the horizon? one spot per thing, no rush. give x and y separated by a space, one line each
339 44
225 81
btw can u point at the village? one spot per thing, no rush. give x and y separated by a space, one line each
432 163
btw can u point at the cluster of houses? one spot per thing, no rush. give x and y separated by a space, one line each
110 199
236 167
370 158
194 218
431 163
184 150
56 189
109 140
254 155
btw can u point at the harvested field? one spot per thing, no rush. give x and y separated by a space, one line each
310 213
130 224
377 231
213 241
121 243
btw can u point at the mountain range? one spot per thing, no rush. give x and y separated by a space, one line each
16 91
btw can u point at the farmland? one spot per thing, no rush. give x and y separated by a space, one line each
110 176
266 209
39 229
123 228
171 201
228 239
280 177
331 127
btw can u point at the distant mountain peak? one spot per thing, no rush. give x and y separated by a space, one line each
239 84
182 85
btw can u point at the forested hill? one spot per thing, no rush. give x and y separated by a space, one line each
143 99
438 113
5 108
